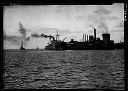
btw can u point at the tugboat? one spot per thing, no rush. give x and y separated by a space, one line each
22 48
37 47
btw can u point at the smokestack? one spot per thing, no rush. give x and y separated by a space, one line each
85 37
90 37
94 34
53 38
57 36
106 36
22 43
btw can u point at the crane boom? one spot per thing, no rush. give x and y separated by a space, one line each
64 38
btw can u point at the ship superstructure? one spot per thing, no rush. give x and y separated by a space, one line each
56 44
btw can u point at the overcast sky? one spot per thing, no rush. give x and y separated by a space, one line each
70 20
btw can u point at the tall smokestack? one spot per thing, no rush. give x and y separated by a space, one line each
22 43
57 36
85 37
94 34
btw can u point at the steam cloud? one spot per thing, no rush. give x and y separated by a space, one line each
16 40
13 39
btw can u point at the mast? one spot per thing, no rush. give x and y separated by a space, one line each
94 33
22 43
83 37
57 35
50 37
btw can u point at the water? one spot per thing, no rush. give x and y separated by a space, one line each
86 69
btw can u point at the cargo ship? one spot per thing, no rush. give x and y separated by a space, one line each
89 42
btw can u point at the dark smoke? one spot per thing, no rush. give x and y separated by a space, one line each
22 30
35 35
42 36
28 38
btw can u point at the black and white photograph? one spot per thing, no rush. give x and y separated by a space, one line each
63 47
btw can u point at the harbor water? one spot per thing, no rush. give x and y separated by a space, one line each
71 69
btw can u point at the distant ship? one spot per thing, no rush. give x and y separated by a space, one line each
22 48
37 47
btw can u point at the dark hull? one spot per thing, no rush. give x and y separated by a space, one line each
22 48
83 46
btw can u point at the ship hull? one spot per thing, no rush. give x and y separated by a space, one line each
56 46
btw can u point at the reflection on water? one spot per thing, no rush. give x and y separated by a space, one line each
87 69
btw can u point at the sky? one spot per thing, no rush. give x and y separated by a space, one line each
71 21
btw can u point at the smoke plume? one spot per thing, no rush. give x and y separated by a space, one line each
22 30
42 36
28 38
35 35
16 40
99 19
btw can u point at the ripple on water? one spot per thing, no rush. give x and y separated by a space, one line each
66 69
